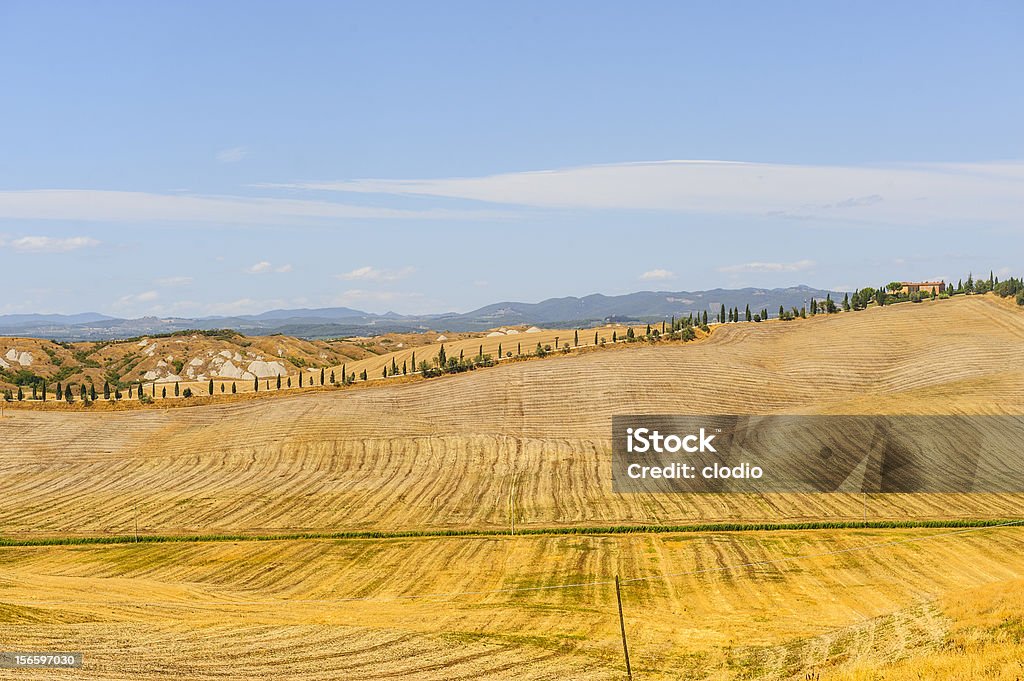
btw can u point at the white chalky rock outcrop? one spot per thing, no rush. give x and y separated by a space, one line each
262 369
229 370
22 358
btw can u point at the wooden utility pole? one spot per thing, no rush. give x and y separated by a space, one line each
622 628
512 504
136 523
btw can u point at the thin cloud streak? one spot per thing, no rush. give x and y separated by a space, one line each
912 194
48 244
373 274
799 266
121 206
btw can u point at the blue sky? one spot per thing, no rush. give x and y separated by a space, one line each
219 158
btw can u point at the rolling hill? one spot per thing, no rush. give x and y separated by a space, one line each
530 441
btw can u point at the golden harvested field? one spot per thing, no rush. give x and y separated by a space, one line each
530 439
435 609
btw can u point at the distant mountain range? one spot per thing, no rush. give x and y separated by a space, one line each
330 322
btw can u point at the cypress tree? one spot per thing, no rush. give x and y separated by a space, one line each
332 379
300 378
68 396
279 381
59 392
33 391
92 392
234 388
141 388
499 349
384 372
363 375
44 391
721 314
394 367
460 355
209 387
106 390
595 338
163 392
748 315
648 331
222 388
614 337
255 385
441 358
575 339
481 353
343 374
519 347
321 376
404 372
177 389
705 322
21 394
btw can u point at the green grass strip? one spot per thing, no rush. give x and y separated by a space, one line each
608 530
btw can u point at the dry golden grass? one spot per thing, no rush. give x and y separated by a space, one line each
443 454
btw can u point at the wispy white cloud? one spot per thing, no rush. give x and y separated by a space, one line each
48 244
174 281
232 155
373 274
899 193
798 266
265 267
120 206
657 275
136 298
